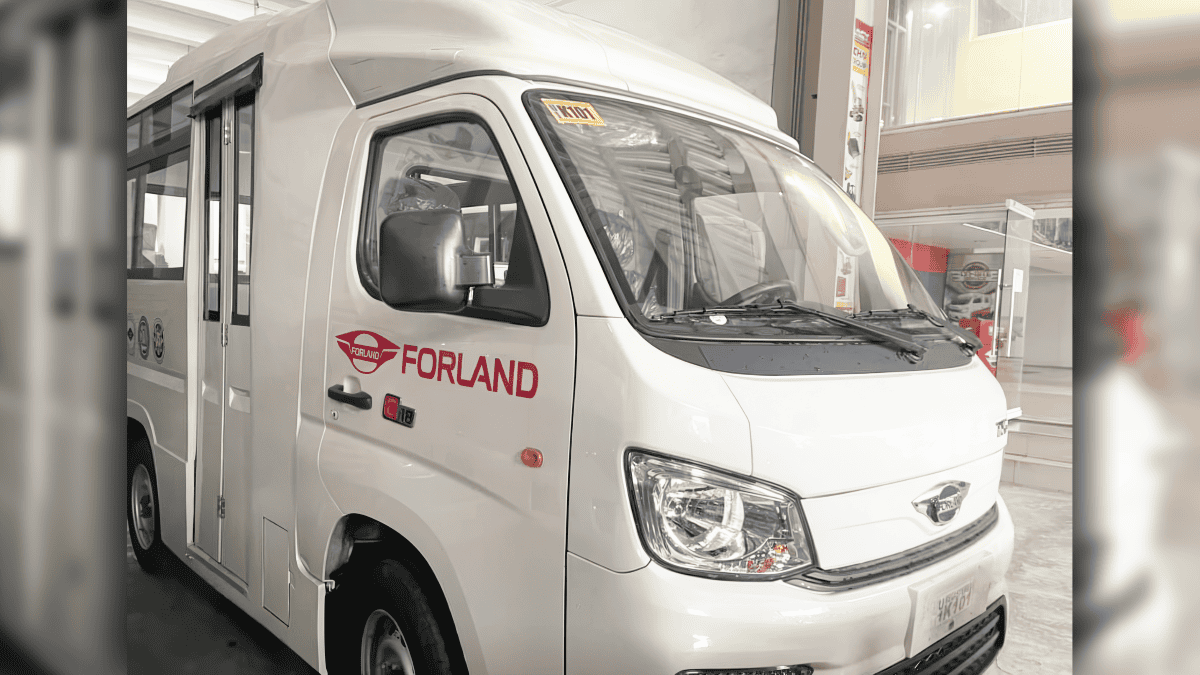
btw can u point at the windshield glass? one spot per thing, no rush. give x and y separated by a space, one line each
688 215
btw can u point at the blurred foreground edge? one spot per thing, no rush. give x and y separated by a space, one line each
62 385
1137 368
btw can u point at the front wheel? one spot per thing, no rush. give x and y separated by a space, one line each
383 624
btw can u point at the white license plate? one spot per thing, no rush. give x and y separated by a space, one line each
950 608
941 606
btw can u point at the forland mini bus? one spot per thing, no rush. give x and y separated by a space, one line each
474 337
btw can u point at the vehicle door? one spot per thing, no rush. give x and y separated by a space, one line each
463 444
222 494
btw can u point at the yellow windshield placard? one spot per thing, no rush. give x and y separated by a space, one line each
573 112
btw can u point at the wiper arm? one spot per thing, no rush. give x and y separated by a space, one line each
967 340
910 349
703 311
912 310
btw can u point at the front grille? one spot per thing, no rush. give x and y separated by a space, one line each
854 576
967 651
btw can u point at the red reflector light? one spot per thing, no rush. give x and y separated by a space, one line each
531 458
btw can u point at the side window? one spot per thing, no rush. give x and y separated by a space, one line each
212 216
157 188
456 165
244 168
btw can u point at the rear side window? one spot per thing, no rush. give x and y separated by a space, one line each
157 188
455 164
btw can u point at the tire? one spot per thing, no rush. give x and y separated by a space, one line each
380 617
141 507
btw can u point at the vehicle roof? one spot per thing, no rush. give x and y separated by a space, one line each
381 48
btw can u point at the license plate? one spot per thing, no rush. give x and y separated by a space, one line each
942 605
950 606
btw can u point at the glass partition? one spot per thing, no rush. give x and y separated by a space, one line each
1013 299
977 263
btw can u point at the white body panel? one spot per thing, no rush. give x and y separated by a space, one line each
826 435
458 470
857 527
543 569
655 621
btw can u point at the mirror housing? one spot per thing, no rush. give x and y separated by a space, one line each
423 266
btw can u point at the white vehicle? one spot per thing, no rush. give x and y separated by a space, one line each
636 436
969 306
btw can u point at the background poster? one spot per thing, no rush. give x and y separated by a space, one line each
971 283
856 126
843 290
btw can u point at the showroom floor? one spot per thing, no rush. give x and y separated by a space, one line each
177 624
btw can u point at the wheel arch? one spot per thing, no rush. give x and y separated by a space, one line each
138 423
359 540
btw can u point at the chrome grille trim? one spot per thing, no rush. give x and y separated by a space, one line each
875 571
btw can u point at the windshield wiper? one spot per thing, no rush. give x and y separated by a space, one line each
967 340
910 349
911 310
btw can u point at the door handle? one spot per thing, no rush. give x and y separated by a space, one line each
359 399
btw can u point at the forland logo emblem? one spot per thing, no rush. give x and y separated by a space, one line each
366 350
976 275
942 503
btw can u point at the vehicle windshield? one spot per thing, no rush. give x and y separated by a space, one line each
688 215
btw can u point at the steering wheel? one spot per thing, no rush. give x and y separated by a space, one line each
759 290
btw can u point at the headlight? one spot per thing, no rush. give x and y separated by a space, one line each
699 521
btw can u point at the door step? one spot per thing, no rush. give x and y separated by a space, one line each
1039 441
1046 474
1039 454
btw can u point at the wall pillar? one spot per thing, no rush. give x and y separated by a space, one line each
812 92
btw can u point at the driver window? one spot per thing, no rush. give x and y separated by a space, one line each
456 165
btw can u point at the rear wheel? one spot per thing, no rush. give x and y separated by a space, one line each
141 508
382 623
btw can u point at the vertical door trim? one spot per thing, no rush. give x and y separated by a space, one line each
228 269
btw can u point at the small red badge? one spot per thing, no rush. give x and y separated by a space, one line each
531 458
400 414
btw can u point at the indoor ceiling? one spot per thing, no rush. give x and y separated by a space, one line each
161 31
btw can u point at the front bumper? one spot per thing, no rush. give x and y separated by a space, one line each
659 622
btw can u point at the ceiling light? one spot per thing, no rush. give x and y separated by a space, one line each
939 10
929 25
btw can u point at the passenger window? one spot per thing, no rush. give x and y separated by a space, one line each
456 165
158 143
160 233
244 139
133 187
212 216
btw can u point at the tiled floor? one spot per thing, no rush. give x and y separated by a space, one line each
1039 583
177 624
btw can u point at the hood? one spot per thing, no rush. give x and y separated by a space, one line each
823 436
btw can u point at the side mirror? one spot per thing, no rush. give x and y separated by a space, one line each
476 269
423 266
